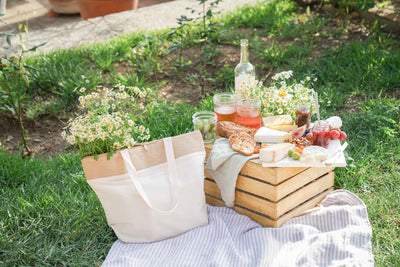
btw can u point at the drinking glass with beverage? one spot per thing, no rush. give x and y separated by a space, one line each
249 112
225 106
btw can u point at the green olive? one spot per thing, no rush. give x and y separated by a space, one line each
296 155
199 127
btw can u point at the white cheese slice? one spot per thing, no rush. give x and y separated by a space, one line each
266 135
274 153
283 127
314 154
278 120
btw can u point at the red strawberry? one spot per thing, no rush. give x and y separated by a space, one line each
334 134
343 136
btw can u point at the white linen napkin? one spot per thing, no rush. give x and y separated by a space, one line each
224 165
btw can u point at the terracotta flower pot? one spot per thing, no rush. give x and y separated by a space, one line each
64 6
95 8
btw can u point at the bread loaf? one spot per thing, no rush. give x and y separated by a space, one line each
227 128
243 143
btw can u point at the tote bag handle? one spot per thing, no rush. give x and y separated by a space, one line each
172 174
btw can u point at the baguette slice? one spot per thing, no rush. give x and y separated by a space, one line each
227 128
242 143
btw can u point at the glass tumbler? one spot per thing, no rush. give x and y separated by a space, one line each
249 112
225 106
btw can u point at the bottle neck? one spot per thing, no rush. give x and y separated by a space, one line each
244 51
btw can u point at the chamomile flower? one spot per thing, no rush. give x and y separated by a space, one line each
71 140
101 126
117 145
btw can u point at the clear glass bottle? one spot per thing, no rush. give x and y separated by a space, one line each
245 73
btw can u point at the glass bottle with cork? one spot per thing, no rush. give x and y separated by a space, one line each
248 107
245 73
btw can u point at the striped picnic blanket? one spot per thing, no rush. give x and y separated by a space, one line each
338 233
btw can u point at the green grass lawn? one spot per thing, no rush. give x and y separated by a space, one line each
49 216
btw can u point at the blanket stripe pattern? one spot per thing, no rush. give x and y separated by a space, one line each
338 233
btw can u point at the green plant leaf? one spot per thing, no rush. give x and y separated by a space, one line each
8 39
34 48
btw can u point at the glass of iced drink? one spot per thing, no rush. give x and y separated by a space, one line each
225 106
249 112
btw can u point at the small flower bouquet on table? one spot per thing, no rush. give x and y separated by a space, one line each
107 122
281 97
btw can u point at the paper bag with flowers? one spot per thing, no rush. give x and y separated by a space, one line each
149 191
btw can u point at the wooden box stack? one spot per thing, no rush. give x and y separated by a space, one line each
273 195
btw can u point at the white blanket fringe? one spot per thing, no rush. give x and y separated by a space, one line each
337 234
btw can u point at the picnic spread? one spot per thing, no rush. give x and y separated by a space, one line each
252 184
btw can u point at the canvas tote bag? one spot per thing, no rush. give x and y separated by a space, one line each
154 191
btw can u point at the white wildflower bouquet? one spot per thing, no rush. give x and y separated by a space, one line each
108 120
281 97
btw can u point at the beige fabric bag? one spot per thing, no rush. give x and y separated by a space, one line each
152 192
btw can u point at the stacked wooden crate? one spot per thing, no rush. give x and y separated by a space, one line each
273 195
